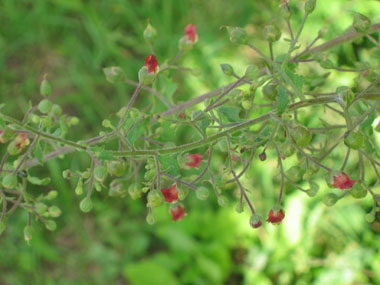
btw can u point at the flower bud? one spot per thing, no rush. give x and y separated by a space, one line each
134 190
154 199
116 167
301 135
287 149
275 216
9 181
50 225
150 33
100 173
202 193
227 69
237 35
270 91
177 212
310 6
239 208
79 187
45 88
361 23
117 188
330 199
358 191
354 140
255 221
263 156
150 219
56 110
295 173
222 201
272 33
86 205
114 74
41 208
45 106
51 195
54 211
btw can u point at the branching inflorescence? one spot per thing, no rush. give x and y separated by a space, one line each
260 109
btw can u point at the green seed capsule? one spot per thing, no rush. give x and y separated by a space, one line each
100 173
227 69
202 193
86 205
222 201
114 74
272 33
79 188
301 135
330 199
45 106
154 199
45 88
358 191
354 140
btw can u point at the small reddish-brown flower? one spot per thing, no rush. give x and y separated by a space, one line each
343 181
191 33
151 63
177 213
21 141
195 160
275 217
182 115
170 194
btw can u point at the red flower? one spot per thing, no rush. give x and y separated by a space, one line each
275 217
191 33
195 160
182 115
170 194
177 213
152 63
21 141
343 181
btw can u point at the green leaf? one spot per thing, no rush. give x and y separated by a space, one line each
106 155
38 153
231 113
38 181
167 87
204 124
137 131
3 125
282 100
169 164
297 80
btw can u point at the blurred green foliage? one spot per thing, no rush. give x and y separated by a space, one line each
72 41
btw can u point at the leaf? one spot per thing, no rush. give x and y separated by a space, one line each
204 124
167 87
137 131
38 153
38 181
169 164
366 126
231 113
106 155
295 78
282 100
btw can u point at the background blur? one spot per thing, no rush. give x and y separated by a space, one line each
71 41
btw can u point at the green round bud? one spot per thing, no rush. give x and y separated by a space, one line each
73 121
116 167
227 69
86 205
117 188
295 173
50 225
358 191
222 201
239 208
150 219
361 23
150 33
100 173
270 91
301 135
107 124
154 199
135 191
354 140
330 199
41 208
56 110
237 35
272 33
310 6
114 74
202 193
287 149
54 211
45 88
51 195
9 181
45 106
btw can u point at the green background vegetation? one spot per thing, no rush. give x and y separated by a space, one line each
72 41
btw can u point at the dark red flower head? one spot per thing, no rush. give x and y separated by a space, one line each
343 181
191 33
151 63
21 141
170 194
177 213
275 217
195 160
